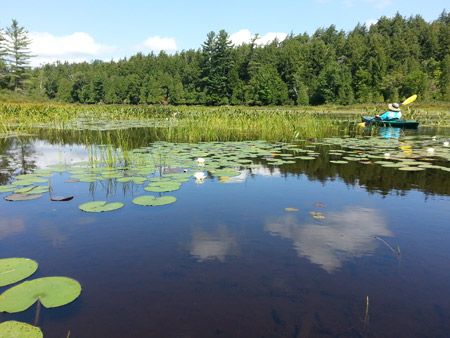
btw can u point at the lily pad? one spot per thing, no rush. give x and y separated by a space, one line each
61 198
407 168
153 201
37 189
100 206
163 186
13 270
21 197
134 179
51 291
13 329
7 188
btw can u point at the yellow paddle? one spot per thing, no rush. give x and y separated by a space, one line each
409 100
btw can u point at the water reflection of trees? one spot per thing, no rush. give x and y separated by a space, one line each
341 237
373 177
17 156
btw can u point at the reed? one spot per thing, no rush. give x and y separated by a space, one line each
179 124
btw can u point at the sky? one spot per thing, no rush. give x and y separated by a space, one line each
87 30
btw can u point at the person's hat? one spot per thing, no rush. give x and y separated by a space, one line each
394 107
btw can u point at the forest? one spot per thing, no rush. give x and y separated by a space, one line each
388 61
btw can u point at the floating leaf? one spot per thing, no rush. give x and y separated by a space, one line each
100 206
61 198
319 216
319 204
153 201
15 269
163 186
411 168
7 188
291 209
305 157
135 180
339 161
21 197
13 329
72 180
37 189
51 291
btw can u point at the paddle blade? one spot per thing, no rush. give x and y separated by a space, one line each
409 100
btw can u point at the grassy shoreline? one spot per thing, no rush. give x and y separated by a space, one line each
198 123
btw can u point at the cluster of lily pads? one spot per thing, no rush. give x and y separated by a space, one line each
99 124
163 167
49 291
408 153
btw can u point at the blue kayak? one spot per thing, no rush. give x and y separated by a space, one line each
369 120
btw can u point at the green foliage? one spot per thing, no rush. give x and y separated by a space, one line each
395 58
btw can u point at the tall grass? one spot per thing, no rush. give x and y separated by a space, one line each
182 124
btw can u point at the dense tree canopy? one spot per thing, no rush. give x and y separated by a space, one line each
390 60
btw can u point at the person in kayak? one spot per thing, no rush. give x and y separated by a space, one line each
394 113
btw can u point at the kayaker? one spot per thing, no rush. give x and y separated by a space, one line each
394 113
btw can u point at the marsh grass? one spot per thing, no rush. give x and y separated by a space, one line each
178 124
198 123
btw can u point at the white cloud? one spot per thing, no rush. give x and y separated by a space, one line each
244 36
156 44
76 47
370 22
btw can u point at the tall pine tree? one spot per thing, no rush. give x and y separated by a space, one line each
17 55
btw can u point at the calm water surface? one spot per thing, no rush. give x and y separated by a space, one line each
228 259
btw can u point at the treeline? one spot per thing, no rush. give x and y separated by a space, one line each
393 59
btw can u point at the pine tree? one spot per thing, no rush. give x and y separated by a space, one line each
17 55
2 59
217 63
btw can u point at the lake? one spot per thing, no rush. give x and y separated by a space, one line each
335 237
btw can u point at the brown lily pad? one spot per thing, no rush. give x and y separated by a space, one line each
61 198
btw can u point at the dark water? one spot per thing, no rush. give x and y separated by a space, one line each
227 260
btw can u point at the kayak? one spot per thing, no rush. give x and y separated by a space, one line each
369 120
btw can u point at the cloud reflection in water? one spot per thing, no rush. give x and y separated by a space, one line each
342 236
206 246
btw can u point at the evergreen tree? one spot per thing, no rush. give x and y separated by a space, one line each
2 59
17 55
217 63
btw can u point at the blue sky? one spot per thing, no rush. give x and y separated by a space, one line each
84 30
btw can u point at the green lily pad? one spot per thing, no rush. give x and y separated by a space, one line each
15 269
134 179
163 186
100 206
305 157
37 189
7 188
13 329
21 197
411 168
51 291
153 201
